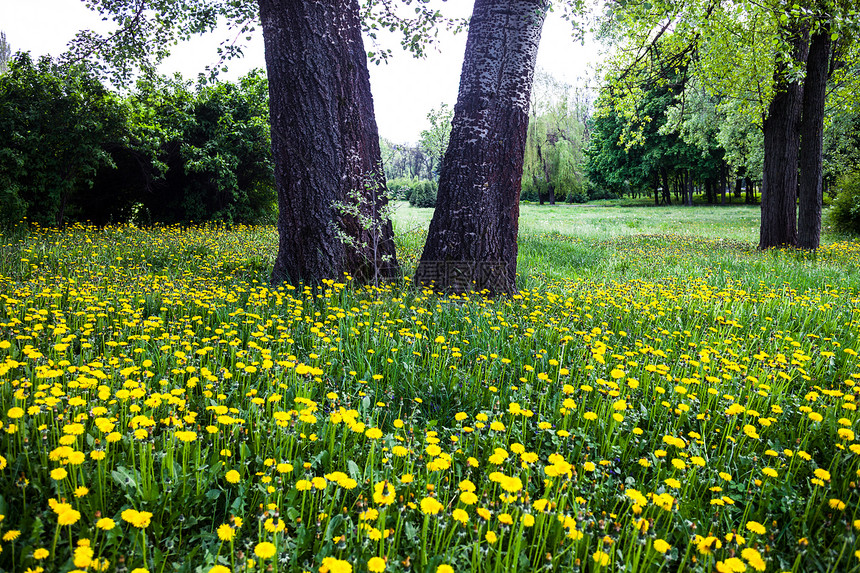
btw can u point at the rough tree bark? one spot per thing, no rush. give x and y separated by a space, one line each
812 141
325 141
472 242
781 138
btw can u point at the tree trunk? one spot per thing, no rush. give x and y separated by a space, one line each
551 194
472 241
325 143
781 131
810 188
688 201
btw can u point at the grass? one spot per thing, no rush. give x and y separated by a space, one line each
658 397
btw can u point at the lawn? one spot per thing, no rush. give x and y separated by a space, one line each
659 396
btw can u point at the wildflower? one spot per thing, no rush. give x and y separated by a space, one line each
756 527
491 537
264 550
376 565
59 474
822 474
754 558
69 517
836 504
105 523
219 569
444 568
12 535
431 506
232 476
383 493
731 565
373 433
139 519
333 565
225 532
601 558
661 546
41 553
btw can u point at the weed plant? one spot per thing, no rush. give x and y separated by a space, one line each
645 403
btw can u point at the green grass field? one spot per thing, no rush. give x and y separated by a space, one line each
659 396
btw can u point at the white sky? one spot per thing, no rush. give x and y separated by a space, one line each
404 90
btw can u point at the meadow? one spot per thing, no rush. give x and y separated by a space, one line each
660 396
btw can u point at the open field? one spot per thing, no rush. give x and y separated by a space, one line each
660 396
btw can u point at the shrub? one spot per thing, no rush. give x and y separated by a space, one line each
423 194
400 187
578 197
844 214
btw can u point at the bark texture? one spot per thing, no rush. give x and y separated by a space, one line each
812 141
781 141
472 242
325 142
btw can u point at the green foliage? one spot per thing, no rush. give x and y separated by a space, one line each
434 141
400 187
212 150
844 214
554 162
635 151
58 123
423 194
77 152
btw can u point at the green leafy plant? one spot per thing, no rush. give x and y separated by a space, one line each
844 214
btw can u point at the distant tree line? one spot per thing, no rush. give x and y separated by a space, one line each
167 152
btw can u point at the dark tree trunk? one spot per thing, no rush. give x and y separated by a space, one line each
810 188
750 194
472 241
551 194
781 131
738 183
667 192
325 142
724 183
688 201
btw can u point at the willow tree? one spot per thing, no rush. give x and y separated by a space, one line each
472 241
324 135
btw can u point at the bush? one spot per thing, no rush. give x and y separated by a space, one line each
578 197
844 214
423 194
400 187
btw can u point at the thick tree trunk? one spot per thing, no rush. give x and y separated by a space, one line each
472 241
810 188
325 143
781 131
